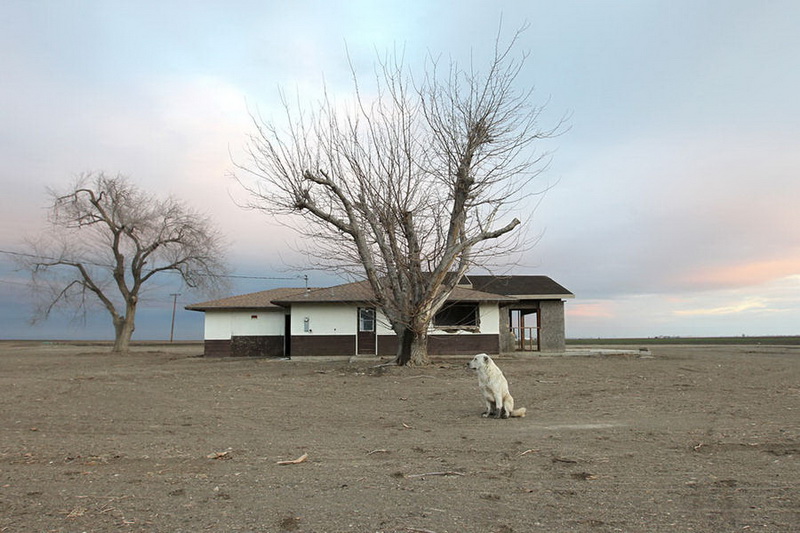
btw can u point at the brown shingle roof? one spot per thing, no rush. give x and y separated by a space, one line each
518 286
472 289
253 300
360 291
463 294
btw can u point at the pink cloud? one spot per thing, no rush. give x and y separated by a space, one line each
745 274
590 310
745 306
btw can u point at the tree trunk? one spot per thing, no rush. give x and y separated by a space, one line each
412 348
123 329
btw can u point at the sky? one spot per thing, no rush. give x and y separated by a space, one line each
672 196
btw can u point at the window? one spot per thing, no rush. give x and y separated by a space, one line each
462 315
366 319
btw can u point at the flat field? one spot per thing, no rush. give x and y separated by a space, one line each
692 438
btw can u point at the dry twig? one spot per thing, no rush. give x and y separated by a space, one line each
220 455
377 451
564 460
437 474
299 460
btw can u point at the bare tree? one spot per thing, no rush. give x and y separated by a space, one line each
409 187
109 239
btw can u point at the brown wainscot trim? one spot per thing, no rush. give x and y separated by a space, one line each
463 344
217 348
447 344
245 346
257 346
387 345
310 345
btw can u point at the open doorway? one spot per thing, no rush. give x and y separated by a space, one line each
287 336
525 328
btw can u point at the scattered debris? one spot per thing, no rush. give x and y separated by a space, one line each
377 451
297 461
564 460
586 476
290 523
220 455
78 511
526 452
449 473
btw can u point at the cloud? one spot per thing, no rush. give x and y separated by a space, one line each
745 274
677 183
591 310
748 305
672 214
770 308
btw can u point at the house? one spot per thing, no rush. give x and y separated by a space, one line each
492 314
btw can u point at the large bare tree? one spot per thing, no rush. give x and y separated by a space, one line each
108 239
411 185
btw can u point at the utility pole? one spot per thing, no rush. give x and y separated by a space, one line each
174 305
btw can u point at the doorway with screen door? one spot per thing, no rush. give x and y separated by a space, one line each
367 342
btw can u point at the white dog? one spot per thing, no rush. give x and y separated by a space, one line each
494 387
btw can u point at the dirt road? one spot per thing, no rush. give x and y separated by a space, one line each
692 439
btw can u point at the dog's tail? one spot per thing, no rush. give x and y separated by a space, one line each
519 412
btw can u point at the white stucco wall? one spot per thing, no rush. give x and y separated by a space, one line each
490 318
324 319
383 327
222 325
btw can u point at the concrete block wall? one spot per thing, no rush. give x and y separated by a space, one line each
551 316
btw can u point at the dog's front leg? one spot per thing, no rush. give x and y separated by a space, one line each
501 412
491 409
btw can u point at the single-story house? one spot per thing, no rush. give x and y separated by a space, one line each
492 314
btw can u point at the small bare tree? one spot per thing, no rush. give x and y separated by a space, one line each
408 188
108 240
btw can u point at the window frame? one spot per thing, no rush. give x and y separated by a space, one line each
471 311
374 319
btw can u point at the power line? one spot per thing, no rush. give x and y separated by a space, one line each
227 276
239 276
20 283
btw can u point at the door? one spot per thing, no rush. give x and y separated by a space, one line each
366 331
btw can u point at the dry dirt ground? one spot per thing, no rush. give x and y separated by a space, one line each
693 439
